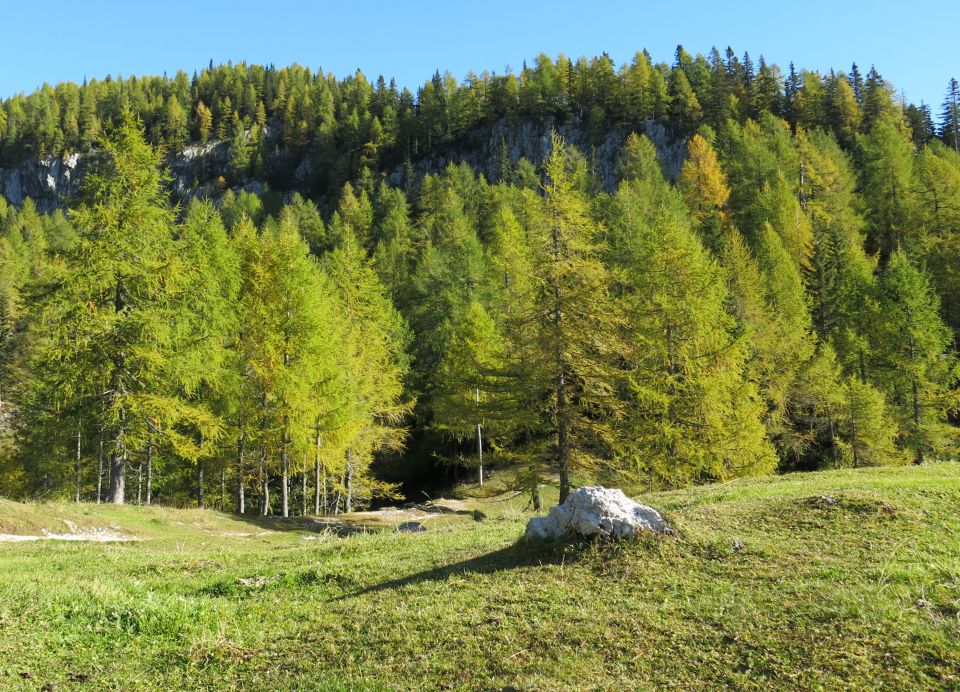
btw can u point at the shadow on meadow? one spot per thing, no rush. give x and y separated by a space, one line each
515 556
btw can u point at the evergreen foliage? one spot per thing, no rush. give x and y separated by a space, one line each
785 297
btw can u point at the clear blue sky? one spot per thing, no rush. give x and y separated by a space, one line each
914 44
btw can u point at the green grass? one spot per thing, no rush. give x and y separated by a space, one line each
861 593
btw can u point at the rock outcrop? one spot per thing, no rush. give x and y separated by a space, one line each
51 182
482 148
592 511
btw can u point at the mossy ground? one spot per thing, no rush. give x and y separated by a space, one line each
764 583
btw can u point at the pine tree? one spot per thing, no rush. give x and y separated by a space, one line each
685 108
766 94
920 121
856 82
844 111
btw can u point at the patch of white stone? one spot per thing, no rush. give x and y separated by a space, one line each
592 511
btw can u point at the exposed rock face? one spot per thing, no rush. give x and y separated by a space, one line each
198 164
594 511
529 139
49 181
52 182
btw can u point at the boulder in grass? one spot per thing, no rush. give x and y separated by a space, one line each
411 527
593 511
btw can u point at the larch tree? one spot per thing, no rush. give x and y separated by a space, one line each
886 171
692 414
936 218
578 335
376 364
841 282
113 331
286 321
705 190
913 360
467 381
868 432
515 394
213 276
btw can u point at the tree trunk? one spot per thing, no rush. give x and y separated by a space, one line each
316 486
316 473
854 442
76 466
479 440
303 495
916 423
241 500
324 507
100 470
348 507
223 489
118 469
200 484
339 498
264 477
285 475
118 453
140 483
264 483
563 453
149 472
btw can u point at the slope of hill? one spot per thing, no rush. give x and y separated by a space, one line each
843 579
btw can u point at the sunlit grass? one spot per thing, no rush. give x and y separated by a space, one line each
764 583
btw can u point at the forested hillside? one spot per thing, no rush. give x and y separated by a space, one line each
787 298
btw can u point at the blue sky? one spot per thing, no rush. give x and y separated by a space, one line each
912 43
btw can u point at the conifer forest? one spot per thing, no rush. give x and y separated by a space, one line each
651 275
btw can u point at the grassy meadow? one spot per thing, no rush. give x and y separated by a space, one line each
837 580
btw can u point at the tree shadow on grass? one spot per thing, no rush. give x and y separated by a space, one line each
517 555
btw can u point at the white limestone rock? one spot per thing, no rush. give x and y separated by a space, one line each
594 510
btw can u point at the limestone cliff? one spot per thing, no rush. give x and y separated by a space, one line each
51 182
